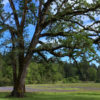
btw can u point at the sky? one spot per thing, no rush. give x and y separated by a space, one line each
5 2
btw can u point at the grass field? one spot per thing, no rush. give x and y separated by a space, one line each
55 96
79 87
82 93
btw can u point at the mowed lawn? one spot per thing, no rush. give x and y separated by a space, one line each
85 91
54 96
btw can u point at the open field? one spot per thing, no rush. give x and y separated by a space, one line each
71 91
70 87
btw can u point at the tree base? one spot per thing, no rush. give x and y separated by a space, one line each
17 94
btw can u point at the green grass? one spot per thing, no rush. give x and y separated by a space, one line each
80 94
55 96
67 85
81 87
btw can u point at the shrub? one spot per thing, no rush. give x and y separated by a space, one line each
97 81
74 79
5 82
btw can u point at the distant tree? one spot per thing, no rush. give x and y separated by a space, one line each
98 74
92 74
33 75
70 70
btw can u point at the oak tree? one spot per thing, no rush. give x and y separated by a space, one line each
55 26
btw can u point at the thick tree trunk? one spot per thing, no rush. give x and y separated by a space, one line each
19 83
18 89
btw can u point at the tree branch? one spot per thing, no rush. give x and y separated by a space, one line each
60 15
23 16
46 6
14 12
3 30
45 9
58 54
64 34
42 56
53 48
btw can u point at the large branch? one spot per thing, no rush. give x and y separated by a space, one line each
44 48
40 12
56 34
14 12
6 27
43 56
46 6
3 30
58 54
64 34
45 9
24 15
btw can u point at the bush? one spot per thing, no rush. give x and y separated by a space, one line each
97 81
71 79
5 82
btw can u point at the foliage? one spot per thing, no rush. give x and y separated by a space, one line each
92 74
4 81
70 70
52 72
98 75
33 75
74 79
5 73
43 73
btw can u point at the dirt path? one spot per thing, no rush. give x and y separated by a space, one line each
29 89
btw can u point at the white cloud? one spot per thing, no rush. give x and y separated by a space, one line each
90 1
5 2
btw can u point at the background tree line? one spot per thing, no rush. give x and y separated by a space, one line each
54 71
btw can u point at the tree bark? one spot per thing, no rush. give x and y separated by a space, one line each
19 83
18 89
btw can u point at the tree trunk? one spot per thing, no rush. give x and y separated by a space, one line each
79 70
19 83
18 89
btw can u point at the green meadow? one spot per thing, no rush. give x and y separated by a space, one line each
84 91
55 96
